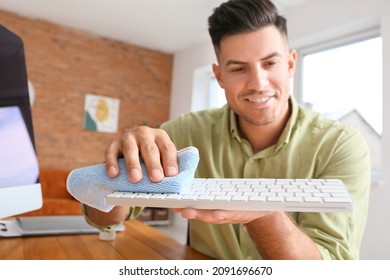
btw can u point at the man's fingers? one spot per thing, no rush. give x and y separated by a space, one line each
158 153
168 154
111 158
131 155
146 139
156 148
151 157
221 216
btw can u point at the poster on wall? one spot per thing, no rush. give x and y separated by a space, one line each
101 113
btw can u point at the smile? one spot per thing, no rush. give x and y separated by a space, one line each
259 99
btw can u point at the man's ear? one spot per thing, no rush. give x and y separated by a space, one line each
217 74
292 61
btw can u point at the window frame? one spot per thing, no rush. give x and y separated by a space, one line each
328 45
324 46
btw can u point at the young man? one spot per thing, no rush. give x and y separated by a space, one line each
262 132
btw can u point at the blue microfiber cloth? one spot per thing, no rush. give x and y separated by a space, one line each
90 185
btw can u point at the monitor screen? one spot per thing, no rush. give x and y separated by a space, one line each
18 162
19 175
20 190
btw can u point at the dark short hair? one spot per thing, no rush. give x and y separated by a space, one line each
239 16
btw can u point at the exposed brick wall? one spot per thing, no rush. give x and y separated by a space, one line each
65 64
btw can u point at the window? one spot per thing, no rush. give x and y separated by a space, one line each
345 83
206 92
216 94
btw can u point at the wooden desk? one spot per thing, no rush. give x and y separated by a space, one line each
137 242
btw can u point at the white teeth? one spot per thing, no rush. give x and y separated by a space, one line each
260 99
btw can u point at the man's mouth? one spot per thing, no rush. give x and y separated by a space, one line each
262 99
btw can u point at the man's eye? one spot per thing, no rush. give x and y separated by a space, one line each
237 69
270 63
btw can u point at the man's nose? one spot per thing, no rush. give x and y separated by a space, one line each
258 79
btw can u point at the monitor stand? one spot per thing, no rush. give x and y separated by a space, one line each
47 225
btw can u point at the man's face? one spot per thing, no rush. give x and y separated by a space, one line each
254 70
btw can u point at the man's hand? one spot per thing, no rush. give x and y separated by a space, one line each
221 216
158 153
156 148
116 215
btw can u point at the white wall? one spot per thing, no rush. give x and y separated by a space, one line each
310 24
186 65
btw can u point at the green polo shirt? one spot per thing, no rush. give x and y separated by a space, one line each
310 146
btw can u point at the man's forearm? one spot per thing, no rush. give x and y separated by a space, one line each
276 236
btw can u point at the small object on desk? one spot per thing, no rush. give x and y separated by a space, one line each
90 185
107 236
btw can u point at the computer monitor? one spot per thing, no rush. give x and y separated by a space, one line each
20 190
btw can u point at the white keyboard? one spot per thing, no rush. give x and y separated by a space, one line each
292 195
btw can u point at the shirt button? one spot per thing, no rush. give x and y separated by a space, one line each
251 160
249 258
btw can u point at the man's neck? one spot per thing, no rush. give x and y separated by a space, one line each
263 136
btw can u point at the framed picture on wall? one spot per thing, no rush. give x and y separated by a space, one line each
101 113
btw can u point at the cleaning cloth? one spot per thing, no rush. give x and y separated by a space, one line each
91 184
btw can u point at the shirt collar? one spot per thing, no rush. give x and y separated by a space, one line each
286 134
233 125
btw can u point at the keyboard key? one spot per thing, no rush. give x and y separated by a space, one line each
312 199
294 199
173 196
239 198
303 194
143 195
275 199
116 194
321 194
234 193
206 197
130 194
257 198
340 194
222 197
285 194
336 199
189 197
267 194
158 196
